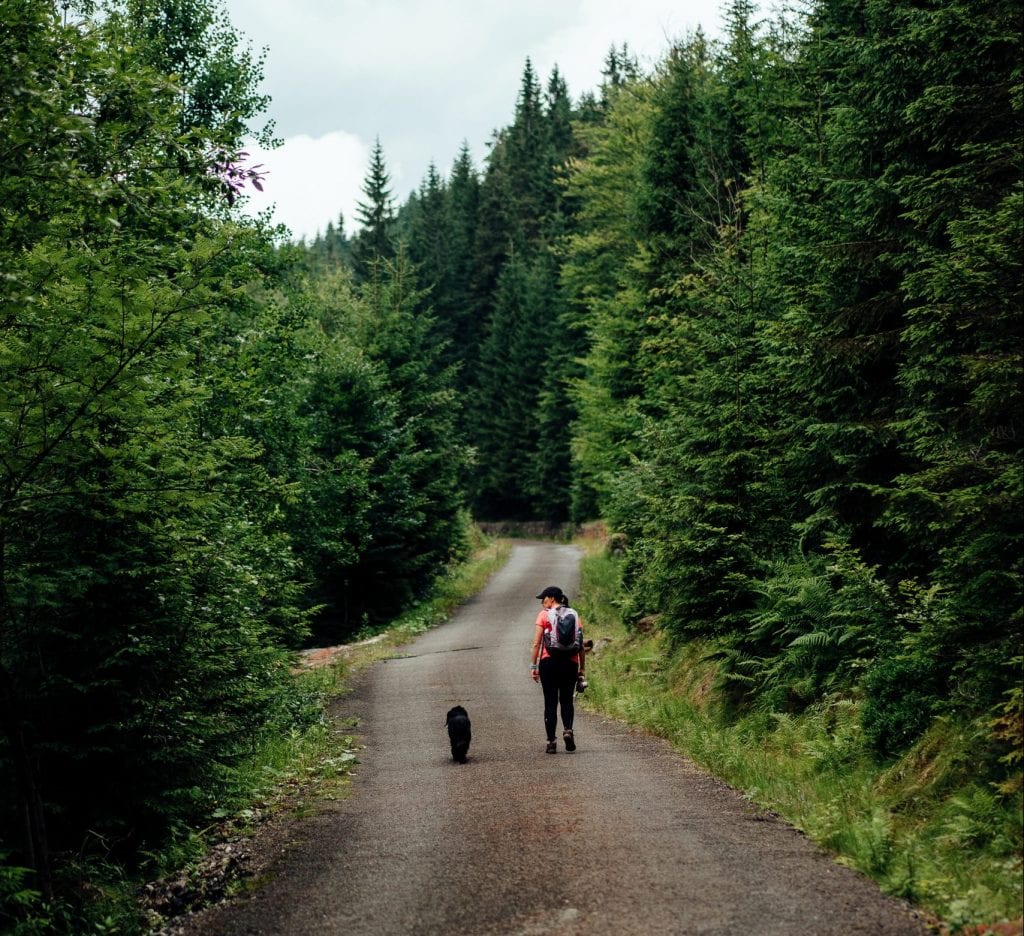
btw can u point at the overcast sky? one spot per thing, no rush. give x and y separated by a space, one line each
423 75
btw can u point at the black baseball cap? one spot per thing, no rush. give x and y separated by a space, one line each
552 591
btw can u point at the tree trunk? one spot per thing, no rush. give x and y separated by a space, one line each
26 771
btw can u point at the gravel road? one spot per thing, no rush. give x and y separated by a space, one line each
623 836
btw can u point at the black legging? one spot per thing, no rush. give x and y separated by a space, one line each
558 679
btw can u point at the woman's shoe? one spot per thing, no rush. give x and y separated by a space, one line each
570 741
552 747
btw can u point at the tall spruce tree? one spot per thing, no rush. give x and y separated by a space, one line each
948 134
603 273
463 307
692 561
507 392
429 251
374 243
522 213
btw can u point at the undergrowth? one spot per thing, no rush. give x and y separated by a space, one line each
923 825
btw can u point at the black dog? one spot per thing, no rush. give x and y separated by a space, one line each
459 733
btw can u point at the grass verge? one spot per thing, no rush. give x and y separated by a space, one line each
923 826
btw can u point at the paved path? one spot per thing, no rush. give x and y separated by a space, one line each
621 837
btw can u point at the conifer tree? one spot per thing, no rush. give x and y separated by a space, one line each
602 277
947 135
429 251
548 477
528 168
495 226
418 528
620 68
331 249
374 242
464 305
506 396
561 145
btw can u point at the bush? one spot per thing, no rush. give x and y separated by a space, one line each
902 697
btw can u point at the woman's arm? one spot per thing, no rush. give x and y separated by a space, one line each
538 632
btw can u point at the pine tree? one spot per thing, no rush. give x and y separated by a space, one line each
602 273
495 226
506 395
464 305
548 477
331 249
620 68
429 251
948 134
374 243
417 530
528 163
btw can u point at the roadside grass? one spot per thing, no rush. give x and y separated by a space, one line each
923 826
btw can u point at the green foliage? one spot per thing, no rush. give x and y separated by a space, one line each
360 437
813 630
144 600
1008 727
374 244
18 900
901 701
758 310
512 373
200 454
195 42
418 528
604 293
484 248
798 277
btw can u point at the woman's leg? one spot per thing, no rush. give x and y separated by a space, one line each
550 683
566 690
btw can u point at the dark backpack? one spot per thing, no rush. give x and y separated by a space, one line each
566 635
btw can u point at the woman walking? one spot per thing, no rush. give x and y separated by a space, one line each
557 661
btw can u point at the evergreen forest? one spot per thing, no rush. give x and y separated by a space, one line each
756 309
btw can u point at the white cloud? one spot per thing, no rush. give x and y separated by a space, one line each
649 27
382 37
310 180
